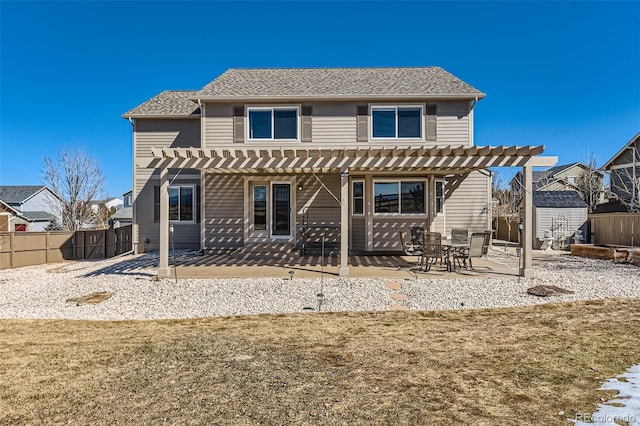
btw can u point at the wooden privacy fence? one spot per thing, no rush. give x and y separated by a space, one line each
615 228
504 233
34 248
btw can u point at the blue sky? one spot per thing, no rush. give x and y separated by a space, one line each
565 74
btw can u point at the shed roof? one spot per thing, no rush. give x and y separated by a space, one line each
558 199
337 82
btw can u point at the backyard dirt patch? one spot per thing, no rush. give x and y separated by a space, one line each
91 299
548 290
503 366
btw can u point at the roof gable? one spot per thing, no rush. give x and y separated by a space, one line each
337 83
19 194
634 140
558 199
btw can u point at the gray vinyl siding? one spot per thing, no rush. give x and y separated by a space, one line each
358 233
545 218
223 210
467 202
452 124
218 124
385 231
336 123
317 209
161 133
438 224
43 201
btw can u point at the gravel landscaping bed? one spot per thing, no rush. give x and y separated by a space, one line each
41 291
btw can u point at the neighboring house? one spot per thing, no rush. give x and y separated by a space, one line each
624 175
124 214
262 155
127 198
36 205
557 215
565 177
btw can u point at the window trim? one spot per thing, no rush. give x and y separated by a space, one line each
396 106
193 204
273 108
353 197
435 195
399 182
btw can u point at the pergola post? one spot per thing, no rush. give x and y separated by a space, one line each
163 262
344 223
527 221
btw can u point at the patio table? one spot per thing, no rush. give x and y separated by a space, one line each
448 246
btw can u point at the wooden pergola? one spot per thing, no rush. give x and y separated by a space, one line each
343 160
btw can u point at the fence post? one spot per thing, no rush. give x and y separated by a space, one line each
12 248
46 247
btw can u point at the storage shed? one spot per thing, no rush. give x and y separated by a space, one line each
557 215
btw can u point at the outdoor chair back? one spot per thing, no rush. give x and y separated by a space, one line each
409 249
476 246
416 235
460 235
487 242
432 248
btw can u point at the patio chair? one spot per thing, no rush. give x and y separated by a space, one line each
476 247
487 242
410 249
432 248
459 235
417 233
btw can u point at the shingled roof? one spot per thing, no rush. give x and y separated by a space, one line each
557 199
337 83
175 103
18 194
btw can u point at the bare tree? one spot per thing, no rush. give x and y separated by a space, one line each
589 184
77 178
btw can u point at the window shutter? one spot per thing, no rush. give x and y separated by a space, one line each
238 124
362 123
156 204
430 123
307 113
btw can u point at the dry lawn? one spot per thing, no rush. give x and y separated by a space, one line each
507 366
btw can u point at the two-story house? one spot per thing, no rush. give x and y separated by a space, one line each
32 207
624 175
257 155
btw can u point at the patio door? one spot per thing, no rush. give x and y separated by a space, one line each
259 211
281 209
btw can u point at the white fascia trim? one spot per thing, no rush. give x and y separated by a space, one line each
329 97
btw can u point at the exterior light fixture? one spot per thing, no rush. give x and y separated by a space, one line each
300 186
291 274
320 297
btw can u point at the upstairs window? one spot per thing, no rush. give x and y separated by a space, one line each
395 122
273 123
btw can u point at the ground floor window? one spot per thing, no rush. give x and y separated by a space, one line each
181 203
358 197
439 196
402 197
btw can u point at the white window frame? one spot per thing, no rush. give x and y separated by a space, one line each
435 195
399 182
353 197
272 109
396 106
193 206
